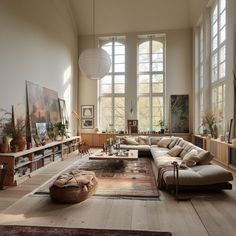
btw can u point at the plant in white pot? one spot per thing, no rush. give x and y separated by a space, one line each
60 130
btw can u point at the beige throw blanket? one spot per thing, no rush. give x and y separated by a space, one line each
76 178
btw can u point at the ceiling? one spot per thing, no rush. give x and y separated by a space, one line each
122 16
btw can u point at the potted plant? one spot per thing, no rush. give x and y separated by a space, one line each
209 122
162 126
60 130
5 117
17 133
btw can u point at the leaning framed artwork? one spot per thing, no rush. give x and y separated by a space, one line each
87 123
87 111
179 113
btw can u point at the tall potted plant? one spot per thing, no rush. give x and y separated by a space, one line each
209 122
17 133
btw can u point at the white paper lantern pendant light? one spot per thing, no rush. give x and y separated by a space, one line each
94 62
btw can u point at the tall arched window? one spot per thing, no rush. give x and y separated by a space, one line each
112 87
218 61
151 82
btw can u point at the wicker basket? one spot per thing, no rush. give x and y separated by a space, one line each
72 194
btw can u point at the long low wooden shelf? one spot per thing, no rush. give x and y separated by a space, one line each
35 158
224 153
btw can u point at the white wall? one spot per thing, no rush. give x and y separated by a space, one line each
178 68
38 42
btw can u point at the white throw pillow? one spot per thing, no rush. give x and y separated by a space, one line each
191 158
175 151
164 142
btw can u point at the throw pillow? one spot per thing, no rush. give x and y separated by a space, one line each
164 142
175 151
144 140
173 142
191 158
130 141
205 157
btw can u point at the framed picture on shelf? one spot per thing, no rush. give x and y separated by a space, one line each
87 123
42 131
87 111
63 112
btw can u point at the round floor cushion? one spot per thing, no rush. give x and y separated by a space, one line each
73 187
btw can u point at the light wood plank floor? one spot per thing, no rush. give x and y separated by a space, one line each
205 214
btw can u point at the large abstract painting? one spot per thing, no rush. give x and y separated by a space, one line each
179 113
43 105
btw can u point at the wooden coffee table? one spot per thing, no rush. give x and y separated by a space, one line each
120 156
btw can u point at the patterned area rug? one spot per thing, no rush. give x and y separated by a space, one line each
59 231
126 179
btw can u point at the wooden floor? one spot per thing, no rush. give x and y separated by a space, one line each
204 214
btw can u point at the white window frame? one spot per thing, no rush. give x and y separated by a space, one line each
112 73
218 83
151 95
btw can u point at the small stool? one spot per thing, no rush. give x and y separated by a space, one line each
73 187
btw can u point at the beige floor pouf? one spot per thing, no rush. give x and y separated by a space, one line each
73 187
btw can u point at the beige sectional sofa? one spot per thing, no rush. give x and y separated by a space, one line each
196 171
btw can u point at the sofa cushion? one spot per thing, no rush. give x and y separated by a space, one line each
143 140
154 140
205 157
200 175
164 142
131 140
191 158
135 147
175 151
173 142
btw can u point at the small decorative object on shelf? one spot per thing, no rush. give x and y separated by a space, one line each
60 130
3 171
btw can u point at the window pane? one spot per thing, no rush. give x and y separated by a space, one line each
119 88
222 20
214 43
106 114
119 67
119 113
157 57
119 79
222 5
214 15
157 66
144 47
214 60
222 35
120 59
214 29
144 58
144 67
214 75
222 70
157 78
143 88
119 49
222 54
144 79
143 108
157 47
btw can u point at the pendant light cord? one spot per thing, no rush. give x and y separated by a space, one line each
94 23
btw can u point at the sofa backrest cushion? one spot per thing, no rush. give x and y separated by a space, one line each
154 140
143 140
131 140
205 157
175 151
173 142
191 158
164 142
